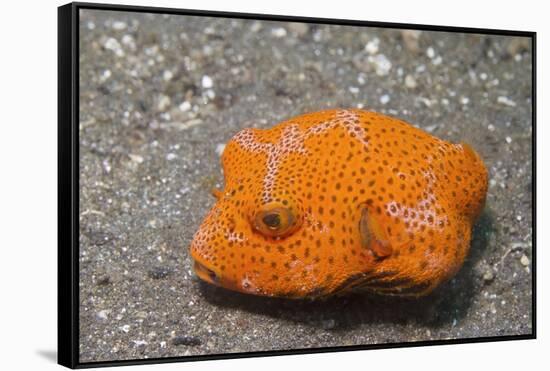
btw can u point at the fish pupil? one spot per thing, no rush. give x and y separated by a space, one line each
273 221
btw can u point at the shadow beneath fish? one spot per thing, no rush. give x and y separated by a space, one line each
446 306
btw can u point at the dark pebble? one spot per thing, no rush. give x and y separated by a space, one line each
104 280
186 340
99 238
158 273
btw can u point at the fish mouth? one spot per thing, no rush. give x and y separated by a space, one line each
206 274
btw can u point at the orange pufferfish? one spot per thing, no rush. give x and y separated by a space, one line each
336 200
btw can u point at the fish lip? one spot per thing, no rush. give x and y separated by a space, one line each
205 273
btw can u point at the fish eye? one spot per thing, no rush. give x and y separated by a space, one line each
275 220
272 220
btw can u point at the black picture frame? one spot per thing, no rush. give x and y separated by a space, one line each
68 181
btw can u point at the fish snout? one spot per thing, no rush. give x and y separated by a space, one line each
202 267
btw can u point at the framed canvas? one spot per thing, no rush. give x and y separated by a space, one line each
241 185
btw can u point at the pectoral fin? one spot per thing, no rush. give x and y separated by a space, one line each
216 193
372 235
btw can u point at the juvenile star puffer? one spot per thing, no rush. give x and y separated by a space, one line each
337 200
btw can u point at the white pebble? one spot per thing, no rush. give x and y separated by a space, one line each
464 100
385 99
425 101
430 52
278 32
136 158
410 82
483 76
113 45
185 106
488 276
103 314
105 75
508 140
506 101
317 37
353 89
107 166
128 40
210 94
167 75
256 26
163 103
207 82
431 128
207 50
171 156
372 46
381 63
437 60
491 127
299 28
119 25
125 328
524 260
